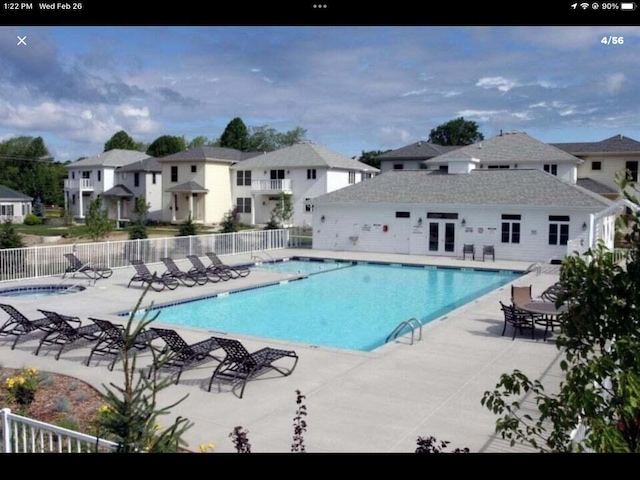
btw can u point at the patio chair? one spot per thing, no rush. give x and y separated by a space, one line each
488 250
239 366
91 270
518 319
112 341
189 278
469 249
212 272
182 355
236 271
521 294
158 283
63 332
18 324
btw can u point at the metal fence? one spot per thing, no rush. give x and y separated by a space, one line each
45 261
24 435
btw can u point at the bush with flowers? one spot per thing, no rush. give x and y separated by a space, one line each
22 387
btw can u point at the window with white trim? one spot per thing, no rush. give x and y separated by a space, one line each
243 178
243 204
352 177
511 228
558 229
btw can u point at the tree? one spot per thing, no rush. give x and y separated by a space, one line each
97 220
230 221
38 207
199 141
371 157
187 228
456 132
235 135
166 145
121 140
138 228
600 337
282 212
9 236
266 139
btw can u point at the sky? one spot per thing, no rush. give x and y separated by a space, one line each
353 89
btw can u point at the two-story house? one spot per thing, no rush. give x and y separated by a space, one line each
304 170
197 182
412 157
602 161
90 177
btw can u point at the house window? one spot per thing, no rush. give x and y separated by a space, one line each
86 174
511 228
153 178
398 166
311 173
502 167
99 176
73 175
352 177
174 174
243 177
633 171
596 165
423 166
308 206
550 168
193 169
277 174
243 204
365 176
6 210
558 229
403 214
136 179
444 168
73 199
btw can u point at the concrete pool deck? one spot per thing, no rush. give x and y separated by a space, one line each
357 402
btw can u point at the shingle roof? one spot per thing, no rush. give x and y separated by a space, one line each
188 187
615 144
7 193
595 187
480 187
418 151
230 155
149 164
111 158
118 191
511 147
304 155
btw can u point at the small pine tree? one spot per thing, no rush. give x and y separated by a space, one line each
230 221
9 236
187 228
97 220
38 207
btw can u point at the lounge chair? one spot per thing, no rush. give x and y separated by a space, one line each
239 366
468 249
518 319
236 271
158 283
212 272
112 340
182 355
188 278
63 332
18 324
91 270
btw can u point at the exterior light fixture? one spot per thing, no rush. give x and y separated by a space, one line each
464 222
584 226
322 218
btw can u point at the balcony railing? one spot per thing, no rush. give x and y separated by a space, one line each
265 186
78 184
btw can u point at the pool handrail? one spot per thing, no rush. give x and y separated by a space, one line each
411 323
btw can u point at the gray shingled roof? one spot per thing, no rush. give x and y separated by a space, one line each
188 187
616 144
418 151
118 191
595 187
304 155
230 155
149 164
7 193
111 158
480 187
511 147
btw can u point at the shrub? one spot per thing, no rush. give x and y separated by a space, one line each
23 386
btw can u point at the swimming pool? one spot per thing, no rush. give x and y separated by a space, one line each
37 291
353 308
302 266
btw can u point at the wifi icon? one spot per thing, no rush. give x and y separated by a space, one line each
584 5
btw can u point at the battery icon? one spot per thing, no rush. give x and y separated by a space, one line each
628 6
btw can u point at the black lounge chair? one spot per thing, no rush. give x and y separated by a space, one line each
189 278
18 324
112 340
63 332
468 249
158 283
93 271
181 355
213 273
239 366
236 271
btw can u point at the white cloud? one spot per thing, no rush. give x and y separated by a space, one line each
501 83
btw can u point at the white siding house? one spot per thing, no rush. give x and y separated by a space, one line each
304 170
412 157
14 206
90 177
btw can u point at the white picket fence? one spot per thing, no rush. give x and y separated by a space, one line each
24 435
45 261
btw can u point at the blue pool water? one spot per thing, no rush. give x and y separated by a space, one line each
304 267
38 291
352 308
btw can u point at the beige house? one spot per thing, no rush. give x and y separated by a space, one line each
602 161
196 183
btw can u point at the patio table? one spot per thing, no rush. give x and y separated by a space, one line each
549 312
